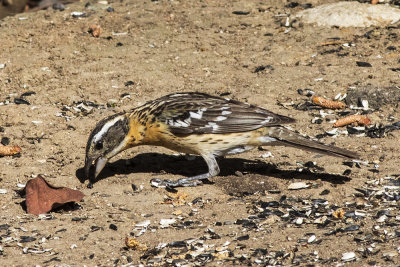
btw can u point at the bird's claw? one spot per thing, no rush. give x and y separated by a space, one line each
159 183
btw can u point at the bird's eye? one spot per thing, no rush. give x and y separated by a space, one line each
99 145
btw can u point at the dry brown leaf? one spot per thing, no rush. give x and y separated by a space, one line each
134 244
177 212
9 150
338 214
95 30
41 197
176 199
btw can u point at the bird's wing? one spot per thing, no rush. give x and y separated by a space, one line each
198 113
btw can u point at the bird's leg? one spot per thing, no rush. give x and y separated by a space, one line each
213 170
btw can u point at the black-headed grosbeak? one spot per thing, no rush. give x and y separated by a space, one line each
195 123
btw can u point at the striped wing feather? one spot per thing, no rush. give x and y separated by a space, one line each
198 113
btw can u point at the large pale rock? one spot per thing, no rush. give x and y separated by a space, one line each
350 14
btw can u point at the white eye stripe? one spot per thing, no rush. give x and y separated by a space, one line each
106 127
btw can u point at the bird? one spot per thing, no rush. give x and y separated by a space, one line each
199 124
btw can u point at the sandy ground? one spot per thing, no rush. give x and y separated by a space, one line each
151 48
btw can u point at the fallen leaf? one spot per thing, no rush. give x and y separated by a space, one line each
177 212
176 199
338 214
134 244
95 30
41 197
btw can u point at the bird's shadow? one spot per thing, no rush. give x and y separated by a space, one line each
179 165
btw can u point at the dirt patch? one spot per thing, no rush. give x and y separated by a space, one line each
246 215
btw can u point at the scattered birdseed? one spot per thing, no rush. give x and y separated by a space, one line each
348 256
298 185
167 222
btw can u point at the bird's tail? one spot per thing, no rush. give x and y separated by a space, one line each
287 137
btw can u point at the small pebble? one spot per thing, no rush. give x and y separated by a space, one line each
3 191
5 141
59 6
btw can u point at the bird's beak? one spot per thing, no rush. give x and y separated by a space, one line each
99 164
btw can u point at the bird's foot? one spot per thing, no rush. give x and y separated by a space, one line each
90 185
159 183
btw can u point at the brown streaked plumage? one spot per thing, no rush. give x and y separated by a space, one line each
196 123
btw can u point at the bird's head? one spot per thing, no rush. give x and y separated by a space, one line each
108 138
